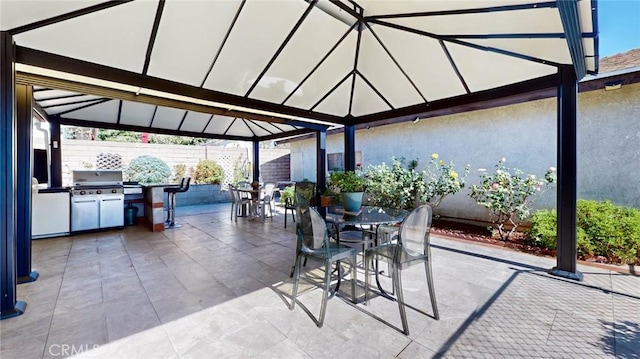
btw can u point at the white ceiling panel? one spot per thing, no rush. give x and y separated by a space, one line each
14 13
585 15
102 112
365 100
542 20
168 118
337 103
115 37
195 121
378 67
303 52
46 104
483 70
219 124
258 130
239 128
63 109
49 93
194 30
136 113
260 29
334 69
277 127
424 60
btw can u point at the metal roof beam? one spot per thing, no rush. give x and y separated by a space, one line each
541 5
152 37
60 63
558 35
67 16
570 16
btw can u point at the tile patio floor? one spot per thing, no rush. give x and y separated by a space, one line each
215 289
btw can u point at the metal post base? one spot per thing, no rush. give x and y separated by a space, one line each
566 274
29 278
17 310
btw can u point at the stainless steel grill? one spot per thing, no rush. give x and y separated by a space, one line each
97 200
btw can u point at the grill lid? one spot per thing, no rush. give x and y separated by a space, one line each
93 178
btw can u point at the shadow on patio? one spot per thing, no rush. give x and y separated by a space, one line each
219 288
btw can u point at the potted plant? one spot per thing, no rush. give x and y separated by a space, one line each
351 186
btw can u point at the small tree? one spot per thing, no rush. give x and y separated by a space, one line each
396 186
208 172
441 180
180 170
508 196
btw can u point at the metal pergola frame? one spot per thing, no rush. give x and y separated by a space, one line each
14 169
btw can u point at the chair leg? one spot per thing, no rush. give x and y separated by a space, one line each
354 275
432 291
403 313
296 273
367 280
325 293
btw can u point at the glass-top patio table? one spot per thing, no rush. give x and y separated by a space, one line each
367 216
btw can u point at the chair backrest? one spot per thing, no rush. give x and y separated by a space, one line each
183 187
234 193
306 190
311 228
243 184
414 231
268 189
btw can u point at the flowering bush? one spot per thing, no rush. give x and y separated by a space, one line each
396 186
441 180
508 196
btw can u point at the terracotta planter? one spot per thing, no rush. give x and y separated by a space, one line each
327 201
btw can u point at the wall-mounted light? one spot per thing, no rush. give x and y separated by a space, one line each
613 85
416 120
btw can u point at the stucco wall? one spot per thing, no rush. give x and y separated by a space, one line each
525 134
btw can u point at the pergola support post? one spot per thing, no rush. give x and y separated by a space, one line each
24 108
256 160
9 307
349 147
56 152
321 163
567 175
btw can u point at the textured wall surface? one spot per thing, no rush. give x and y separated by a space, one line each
525 134
78 154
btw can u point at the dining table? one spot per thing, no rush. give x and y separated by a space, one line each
366 216
254 194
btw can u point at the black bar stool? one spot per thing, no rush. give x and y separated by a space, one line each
171 202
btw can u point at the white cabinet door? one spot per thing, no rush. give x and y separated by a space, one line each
84 213
50 214
112 211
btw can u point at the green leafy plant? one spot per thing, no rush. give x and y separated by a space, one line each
603 230
508 195
348 181
148 170
442 180
208 172
287 194
397 186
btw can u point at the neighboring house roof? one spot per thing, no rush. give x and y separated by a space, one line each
623 60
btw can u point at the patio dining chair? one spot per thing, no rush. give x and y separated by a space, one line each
237 202
266 201
313 242
305 190
412 247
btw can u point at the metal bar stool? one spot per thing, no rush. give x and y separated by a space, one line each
171 202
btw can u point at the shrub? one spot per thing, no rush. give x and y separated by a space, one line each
208 172
603 230
287 194
508 196
148 170
441 180
180 170
396 186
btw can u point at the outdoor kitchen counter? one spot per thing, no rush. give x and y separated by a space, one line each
154 205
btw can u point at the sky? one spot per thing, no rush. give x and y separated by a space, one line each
619 25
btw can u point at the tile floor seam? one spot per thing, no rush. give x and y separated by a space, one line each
555 315
148 298
405 347
66 263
